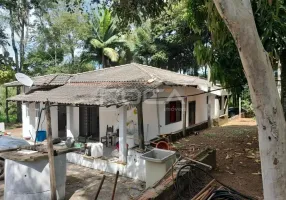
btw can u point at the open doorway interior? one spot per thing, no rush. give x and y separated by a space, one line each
62 121
192 113
89 122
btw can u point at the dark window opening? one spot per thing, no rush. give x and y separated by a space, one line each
192 113
89 121
173 112
220 102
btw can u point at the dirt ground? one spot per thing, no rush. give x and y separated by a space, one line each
238 164
15 132
236 144
82 184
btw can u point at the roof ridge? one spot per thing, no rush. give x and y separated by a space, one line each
173 72
153 76
102 69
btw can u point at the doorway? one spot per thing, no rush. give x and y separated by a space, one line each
192 113
89 122
62 121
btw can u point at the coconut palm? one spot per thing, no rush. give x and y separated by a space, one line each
107 39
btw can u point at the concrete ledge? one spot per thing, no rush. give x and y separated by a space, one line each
134 168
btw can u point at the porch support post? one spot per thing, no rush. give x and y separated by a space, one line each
140 125
184 107
69 123
122 134
209 100
25 121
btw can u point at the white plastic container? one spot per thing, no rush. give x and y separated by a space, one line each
96 149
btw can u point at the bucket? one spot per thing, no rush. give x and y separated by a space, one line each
41 136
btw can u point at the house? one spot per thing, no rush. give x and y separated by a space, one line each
85 104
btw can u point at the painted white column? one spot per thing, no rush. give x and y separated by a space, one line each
25 121
54 121
69 121
122 134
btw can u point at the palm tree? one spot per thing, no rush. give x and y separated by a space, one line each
107 38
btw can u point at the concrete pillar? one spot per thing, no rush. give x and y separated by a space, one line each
54 121
122 134
25 121
69 121
184 108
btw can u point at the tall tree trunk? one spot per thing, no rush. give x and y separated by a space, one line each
238 16
103 60
72 54
283 80
12 27
206 71
55 49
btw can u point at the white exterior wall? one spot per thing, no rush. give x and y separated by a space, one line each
25 121
54 121
150 119
110 116
30 122
134 168
201 106
72 121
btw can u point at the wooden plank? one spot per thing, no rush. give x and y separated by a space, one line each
204 189
51 152
28 147
115 183
99 188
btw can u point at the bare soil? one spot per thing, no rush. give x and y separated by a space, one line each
82 183
237 152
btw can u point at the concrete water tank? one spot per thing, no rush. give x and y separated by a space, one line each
158 162
31 180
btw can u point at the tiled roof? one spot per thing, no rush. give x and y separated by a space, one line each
137 73
90 94
46 80
109 86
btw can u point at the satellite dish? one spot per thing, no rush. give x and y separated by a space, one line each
24 79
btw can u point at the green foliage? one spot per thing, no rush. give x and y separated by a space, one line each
246 102
12 106
6 68
105 41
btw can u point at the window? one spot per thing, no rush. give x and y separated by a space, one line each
192 113
173 112
220 102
